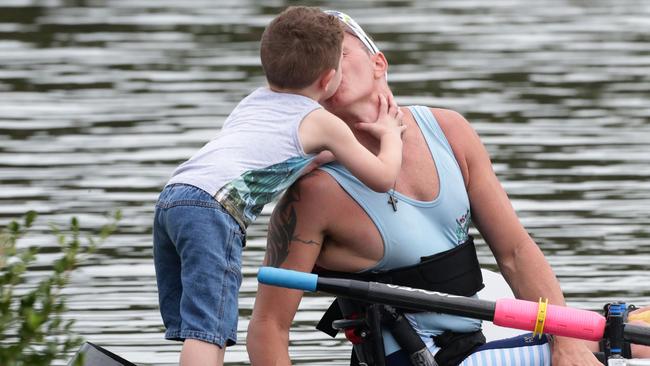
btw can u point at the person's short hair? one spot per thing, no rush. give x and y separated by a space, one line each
299 45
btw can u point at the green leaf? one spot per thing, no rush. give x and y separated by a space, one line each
14 227
35 320
74 224
30 216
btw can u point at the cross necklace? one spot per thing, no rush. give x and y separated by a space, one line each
392 200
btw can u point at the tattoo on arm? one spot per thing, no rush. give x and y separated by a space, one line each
282 229
305 241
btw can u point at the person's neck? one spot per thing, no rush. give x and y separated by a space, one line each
309 92
363 110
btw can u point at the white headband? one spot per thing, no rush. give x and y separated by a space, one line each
356 29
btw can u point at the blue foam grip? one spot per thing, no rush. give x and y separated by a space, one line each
287 278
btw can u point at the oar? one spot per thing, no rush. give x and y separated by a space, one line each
511 313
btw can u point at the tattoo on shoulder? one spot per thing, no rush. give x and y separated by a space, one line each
282 229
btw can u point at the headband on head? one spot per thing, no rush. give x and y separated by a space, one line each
356 29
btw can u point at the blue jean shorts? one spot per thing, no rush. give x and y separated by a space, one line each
197 254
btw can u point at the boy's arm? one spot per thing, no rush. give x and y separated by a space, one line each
294 242
321 130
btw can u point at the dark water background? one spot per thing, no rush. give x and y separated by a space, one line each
100 100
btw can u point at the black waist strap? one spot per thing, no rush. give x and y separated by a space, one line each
455 347
455 271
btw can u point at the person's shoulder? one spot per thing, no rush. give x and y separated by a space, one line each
451 120
319 116
319 112
463 139
319 128
458 131
316 187
317 196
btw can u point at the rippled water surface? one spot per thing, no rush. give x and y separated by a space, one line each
100 100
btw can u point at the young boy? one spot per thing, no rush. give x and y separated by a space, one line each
269 140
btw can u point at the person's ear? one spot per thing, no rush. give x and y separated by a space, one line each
380 65
326 78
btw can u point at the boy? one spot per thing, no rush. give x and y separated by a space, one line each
268 141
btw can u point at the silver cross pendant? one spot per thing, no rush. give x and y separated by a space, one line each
393 202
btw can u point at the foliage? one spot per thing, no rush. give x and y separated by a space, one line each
33 330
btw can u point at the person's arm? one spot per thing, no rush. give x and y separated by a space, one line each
640 351
519 258
321 130
295 238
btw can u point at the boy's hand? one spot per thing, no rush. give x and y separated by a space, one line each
388 121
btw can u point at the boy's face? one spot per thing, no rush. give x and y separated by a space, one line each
336 80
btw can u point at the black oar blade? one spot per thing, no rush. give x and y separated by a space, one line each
94 355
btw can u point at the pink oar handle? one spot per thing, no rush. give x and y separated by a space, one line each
560 320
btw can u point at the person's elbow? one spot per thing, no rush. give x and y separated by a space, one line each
255 337
265 337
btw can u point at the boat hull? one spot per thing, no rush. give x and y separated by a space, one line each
94 355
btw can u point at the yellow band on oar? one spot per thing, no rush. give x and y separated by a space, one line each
541 317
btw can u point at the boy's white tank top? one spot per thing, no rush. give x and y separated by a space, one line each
255 156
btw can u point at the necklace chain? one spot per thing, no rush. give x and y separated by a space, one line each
392 200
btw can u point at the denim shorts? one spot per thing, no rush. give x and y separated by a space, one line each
197 254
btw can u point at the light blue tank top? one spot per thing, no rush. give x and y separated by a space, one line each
418 228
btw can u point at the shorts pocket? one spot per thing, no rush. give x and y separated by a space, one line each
235 249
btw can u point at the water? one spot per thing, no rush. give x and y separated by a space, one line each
100 100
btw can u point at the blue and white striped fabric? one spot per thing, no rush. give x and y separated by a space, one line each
523 350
